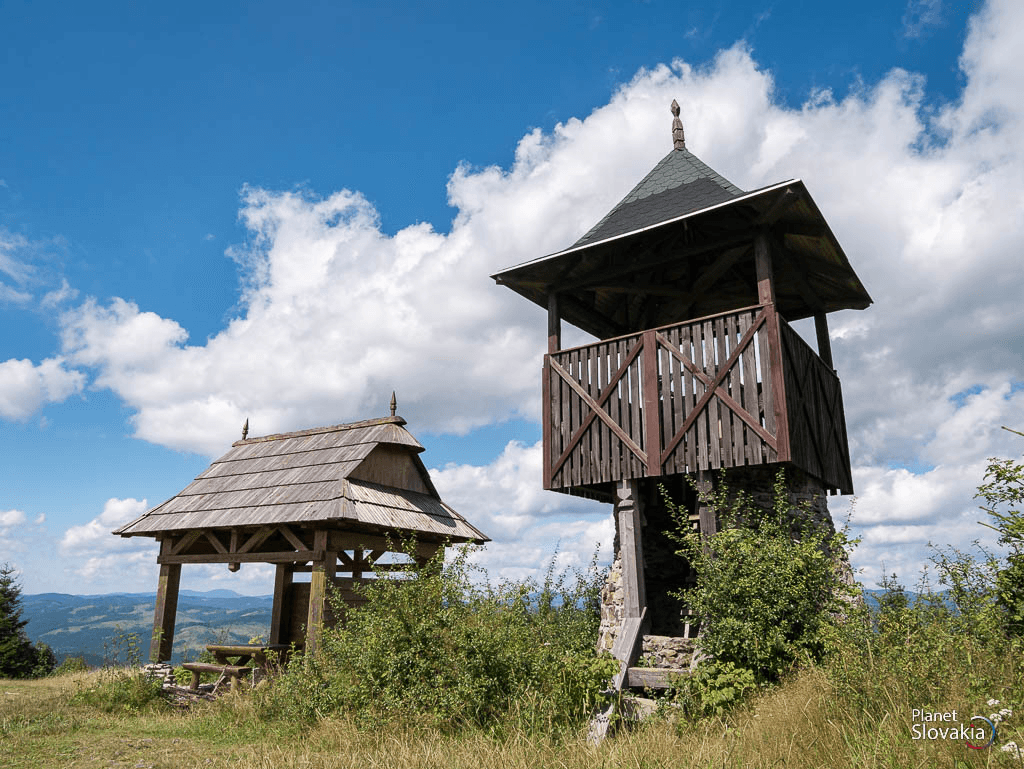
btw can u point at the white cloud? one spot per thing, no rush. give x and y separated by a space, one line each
95 537
336 313
25 387
10 518
921 15
58 296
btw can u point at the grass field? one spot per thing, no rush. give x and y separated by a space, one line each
799 724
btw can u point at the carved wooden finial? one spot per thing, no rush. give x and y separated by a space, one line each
394 403
678 137
245 429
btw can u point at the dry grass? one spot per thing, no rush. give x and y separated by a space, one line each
797 725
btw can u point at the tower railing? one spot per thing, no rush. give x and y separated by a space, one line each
730 390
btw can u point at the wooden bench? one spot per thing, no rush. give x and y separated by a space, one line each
232 672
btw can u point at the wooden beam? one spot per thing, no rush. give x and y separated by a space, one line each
788 197
628 517
213 540
323 574
280 613
164 613
288 556
824 342
292 538
261 535
654 678
763 266
707 518
652 404
554 323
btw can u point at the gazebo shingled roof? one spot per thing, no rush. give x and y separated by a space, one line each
316 476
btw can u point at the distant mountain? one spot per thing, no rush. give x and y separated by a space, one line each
98 627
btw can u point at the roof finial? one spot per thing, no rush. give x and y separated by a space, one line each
394 403
245 429
678 138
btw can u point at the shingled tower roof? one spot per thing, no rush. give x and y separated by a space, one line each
680 184
679 246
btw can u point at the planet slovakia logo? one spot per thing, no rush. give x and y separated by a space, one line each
978 732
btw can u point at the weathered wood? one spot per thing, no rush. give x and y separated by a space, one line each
763 266
323 574
164 613
628 517
288 556
548 418
627 646
232 672
652 406
279 614
824 342
654 678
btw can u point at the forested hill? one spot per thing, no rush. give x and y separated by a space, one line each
96 626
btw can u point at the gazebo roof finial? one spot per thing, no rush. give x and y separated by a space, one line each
245 429
394 403
678 137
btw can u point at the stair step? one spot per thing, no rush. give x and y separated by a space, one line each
653 678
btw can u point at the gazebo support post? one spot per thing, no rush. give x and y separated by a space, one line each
164 613
325 565
280 613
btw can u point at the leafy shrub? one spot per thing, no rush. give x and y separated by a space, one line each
443 649
714 688
767 588
71 665
120 690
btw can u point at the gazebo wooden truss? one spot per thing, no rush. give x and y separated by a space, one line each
330 500
689 285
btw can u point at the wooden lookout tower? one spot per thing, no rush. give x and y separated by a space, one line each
690 285
329 501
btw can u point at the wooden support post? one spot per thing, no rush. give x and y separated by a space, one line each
824 343
164 613
325 564
628 514
652 404
281 613
629 523
707 519
554 324
766 296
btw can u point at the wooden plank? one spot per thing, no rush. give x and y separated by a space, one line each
211 537
596 410
654 678
261 535
714 446
636 469
778 387
628 518
594 461
626 647
824 342
565 447
689 400
547 419
603 433
186 541
651 404
714 387
279 614
576 408
763 267
736 439
289 556
724 412
554 323
700 410
751 443
164 613
665 407
323 574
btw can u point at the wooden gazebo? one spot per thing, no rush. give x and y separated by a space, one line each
689 285
329 500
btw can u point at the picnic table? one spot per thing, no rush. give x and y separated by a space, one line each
233 660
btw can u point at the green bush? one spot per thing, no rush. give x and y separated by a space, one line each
119 690
71 665
767 587
446 649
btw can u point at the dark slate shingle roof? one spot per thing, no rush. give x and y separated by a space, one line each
680 184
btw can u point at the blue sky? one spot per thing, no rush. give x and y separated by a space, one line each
283 212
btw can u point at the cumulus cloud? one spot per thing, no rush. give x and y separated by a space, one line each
25 387
335 313
920 16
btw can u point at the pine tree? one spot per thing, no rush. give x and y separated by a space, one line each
17 657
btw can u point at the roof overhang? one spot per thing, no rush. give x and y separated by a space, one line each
697 264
